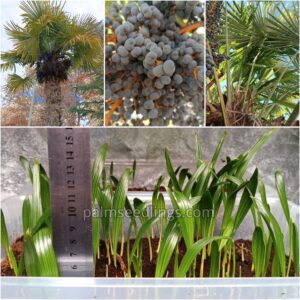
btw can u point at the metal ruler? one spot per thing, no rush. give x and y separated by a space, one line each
70 190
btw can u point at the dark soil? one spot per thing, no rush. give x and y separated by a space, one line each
242 266
17 248
145 189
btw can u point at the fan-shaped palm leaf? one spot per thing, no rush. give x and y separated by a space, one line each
17 83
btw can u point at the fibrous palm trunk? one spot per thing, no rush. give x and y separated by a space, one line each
53 94
293 117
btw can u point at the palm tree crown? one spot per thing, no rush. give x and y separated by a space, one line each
52 41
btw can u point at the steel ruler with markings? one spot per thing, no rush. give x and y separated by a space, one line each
70 190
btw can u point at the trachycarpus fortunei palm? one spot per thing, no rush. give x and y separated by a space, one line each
52 42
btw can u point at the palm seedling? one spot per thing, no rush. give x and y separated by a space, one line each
38 257
51 42
198 199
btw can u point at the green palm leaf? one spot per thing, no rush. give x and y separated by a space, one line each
6 246
192 253
47 263
119 200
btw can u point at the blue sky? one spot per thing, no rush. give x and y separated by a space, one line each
10 11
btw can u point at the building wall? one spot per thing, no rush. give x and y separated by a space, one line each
147 146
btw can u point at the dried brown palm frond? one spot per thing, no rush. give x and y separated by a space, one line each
240 111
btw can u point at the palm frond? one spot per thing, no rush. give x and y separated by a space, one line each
26 44
17 83
10 59
37 11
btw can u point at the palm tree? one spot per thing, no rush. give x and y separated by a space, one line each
52 42
261 40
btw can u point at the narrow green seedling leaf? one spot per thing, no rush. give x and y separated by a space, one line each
206 213
36 201
111 169
128 206
218 149
26 166
46 259
280 185
239 188
26 211
295 238
141 210
228 209
137 266
276 270
235 180
198 151
186 219
263 195
214 260
98 168
156 192
195 200
30 257
258 251
189 186
159 183
105 204
45 219
6 246
118 207
170 171
229 224
277 237
169 242
203 181
229 168
96 233
246 200
133 170
192 253
267 257
243 208
161 204
183 206
103 177
21 266
45 189
142 231
130 213
170 183
246 158
183 175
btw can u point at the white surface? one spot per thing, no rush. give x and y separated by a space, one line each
150 288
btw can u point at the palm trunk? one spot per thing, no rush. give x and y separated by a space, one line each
53 96
33 99
293 117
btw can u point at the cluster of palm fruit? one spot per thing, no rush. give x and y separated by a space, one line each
154 70
213 19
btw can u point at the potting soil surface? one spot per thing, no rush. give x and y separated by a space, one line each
243 261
